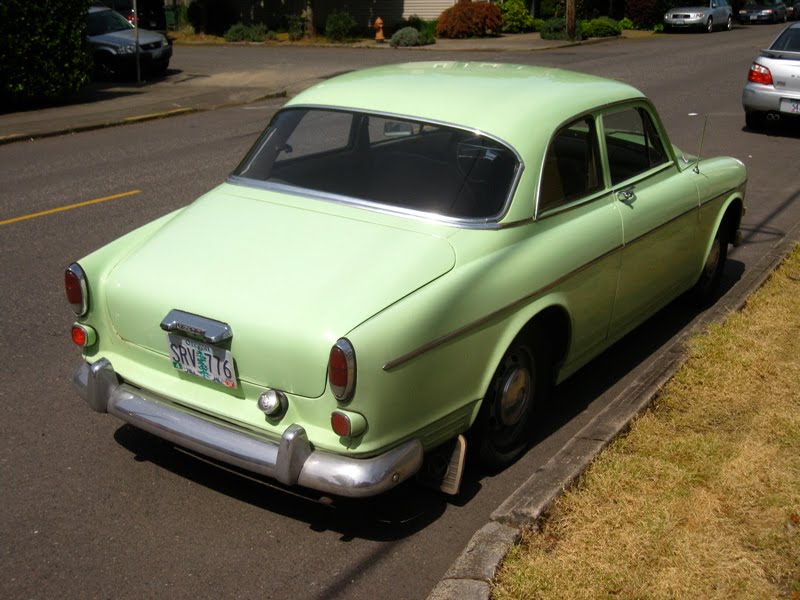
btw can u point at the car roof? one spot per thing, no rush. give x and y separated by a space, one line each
511 102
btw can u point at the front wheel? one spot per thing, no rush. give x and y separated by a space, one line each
518 389
729 24
709 25
705 290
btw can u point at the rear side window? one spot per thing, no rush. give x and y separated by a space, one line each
632 143
572 167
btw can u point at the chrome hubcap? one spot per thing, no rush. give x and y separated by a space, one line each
516 392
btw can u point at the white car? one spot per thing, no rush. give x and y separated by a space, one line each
772 91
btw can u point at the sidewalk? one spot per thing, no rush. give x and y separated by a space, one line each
109 104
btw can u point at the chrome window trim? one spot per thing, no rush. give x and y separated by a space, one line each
491 222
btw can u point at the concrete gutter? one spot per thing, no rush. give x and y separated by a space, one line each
470 576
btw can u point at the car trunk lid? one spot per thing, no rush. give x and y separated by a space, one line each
289 281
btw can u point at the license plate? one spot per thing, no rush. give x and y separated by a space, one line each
679 22
790 106
753 17
202 360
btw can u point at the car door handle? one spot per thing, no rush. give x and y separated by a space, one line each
626 196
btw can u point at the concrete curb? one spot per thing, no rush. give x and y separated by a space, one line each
471 575
18 137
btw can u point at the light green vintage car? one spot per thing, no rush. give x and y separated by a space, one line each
406 254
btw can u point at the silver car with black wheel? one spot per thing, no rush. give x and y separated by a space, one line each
772 91
698 14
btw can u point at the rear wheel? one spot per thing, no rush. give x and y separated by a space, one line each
518 389
729 23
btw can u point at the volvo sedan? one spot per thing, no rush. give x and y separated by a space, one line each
386 272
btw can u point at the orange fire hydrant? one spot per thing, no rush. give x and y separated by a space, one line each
379 31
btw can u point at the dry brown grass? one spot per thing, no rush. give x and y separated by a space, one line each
702 498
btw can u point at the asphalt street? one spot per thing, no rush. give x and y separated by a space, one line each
97 509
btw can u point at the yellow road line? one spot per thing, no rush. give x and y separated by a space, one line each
69 207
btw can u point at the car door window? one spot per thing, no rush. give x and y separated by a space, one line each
572 167
632 142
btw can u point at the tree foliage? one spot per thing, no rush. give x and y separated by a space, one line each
470 19
43 50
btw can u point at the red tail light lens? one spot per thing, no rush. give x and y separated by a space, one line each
759 74
83 335
340 423
76 288
342 370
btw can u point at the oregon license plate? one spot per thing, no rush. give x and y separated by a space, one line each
790 106
202 360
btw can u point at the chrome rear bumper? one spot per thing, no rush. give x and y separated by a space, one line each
293 461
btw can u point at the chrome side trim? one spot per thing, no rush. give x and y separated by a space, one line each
292 461
401 360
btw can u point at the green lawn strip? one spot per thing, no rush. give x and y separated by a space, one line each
701 499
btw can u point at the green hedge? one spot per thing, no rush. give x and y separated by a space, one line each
43 50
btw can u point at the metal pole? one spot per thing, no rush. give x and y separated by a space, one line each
136 37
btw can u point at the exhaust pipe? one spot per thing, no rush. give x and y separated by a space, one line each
773 117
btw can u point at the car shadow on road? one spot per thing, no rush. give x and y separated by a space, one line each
391 516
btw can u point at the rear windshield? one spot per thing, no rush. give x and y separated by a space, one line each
788 41
393 162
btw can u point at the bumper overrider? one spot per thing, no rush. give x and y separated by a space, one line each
292 461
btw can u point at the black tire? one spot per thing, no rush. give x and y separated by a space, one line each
706 289
518 390
104 67
709 25
754 120
729 23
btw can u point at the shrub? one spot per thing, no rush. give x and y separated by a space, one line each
246 33
537 24
516 17
470 19
556 29
294 27
339 26
427 29
407 36
43 53
626 23
601 27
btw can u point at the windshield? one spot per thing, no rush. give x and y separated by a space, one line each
690 4
106 21
389 161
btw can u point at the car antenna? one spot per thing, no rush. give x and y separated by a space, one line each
696 168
